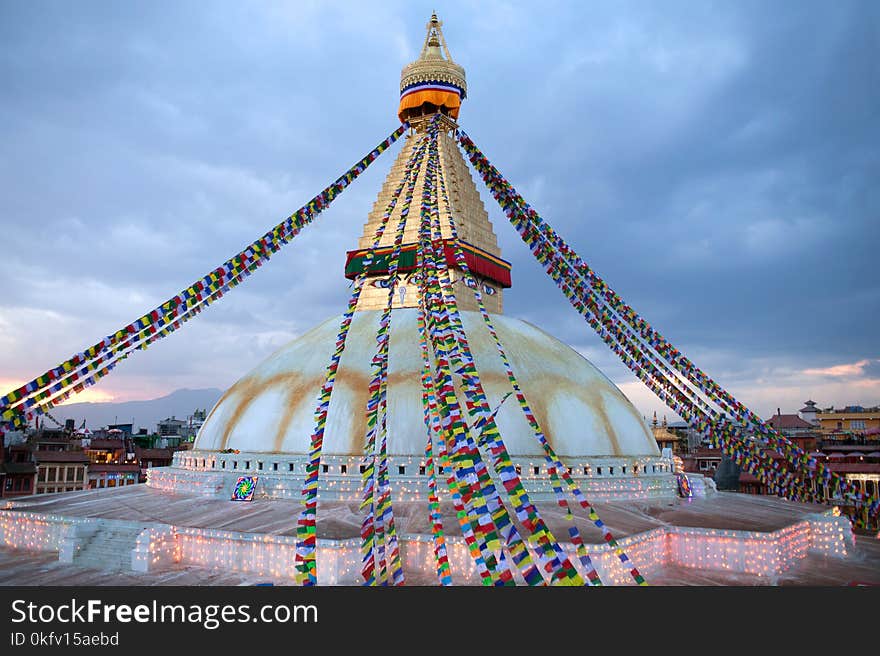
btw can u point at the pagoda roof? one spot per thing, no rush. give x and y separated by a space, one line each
788 421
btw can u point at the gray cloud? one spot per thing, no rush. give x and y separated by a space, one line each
714 162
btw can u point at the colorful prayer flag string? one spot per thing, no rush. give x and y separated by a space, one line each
13 411
468 480
436 430
648 359
550 456
378 533
585 303
553 560
305 561
432 426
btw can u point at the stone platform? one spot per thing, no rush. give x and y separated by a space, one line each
139 534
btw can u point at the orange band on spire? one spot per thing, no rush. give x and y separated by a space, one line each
448 99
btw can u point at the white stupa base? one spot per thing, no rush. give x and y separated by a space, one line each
281 476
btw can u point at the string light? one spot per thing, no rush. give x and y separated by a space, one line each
766 555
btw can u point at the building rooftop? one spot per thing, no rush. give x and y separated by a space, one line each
853 467
60 456
788 422
662 434
850 409
105 443
51 439
849 447
18 467
705 452
155 454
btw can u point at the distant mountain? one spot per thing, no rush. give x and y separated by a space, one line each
143 414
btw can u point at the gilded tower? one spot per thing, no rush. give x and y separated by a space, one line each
433 84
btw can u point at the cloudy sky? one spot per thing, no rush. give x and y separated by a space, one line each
716 162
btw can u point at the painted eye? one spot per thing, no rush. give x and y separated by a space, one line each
384 283
488 290
470 282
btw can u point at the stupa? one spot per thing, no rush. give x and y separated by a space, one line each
266 418
182 526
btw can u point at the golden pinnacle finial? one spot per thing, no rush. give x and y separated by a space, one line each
433 82
434 40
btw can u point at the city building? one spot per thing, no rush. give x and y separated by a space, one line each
809 412
128 429
148 458
170 427
61 471
49 440
112 461
18 474
193 424
689 437
844 440
702 460
850 422
665 438
798 430
17 479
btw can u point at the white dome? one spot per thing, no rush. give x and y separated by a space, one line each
272 408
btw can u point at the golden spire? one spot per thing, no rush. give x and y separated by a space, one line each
434 41
434 82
